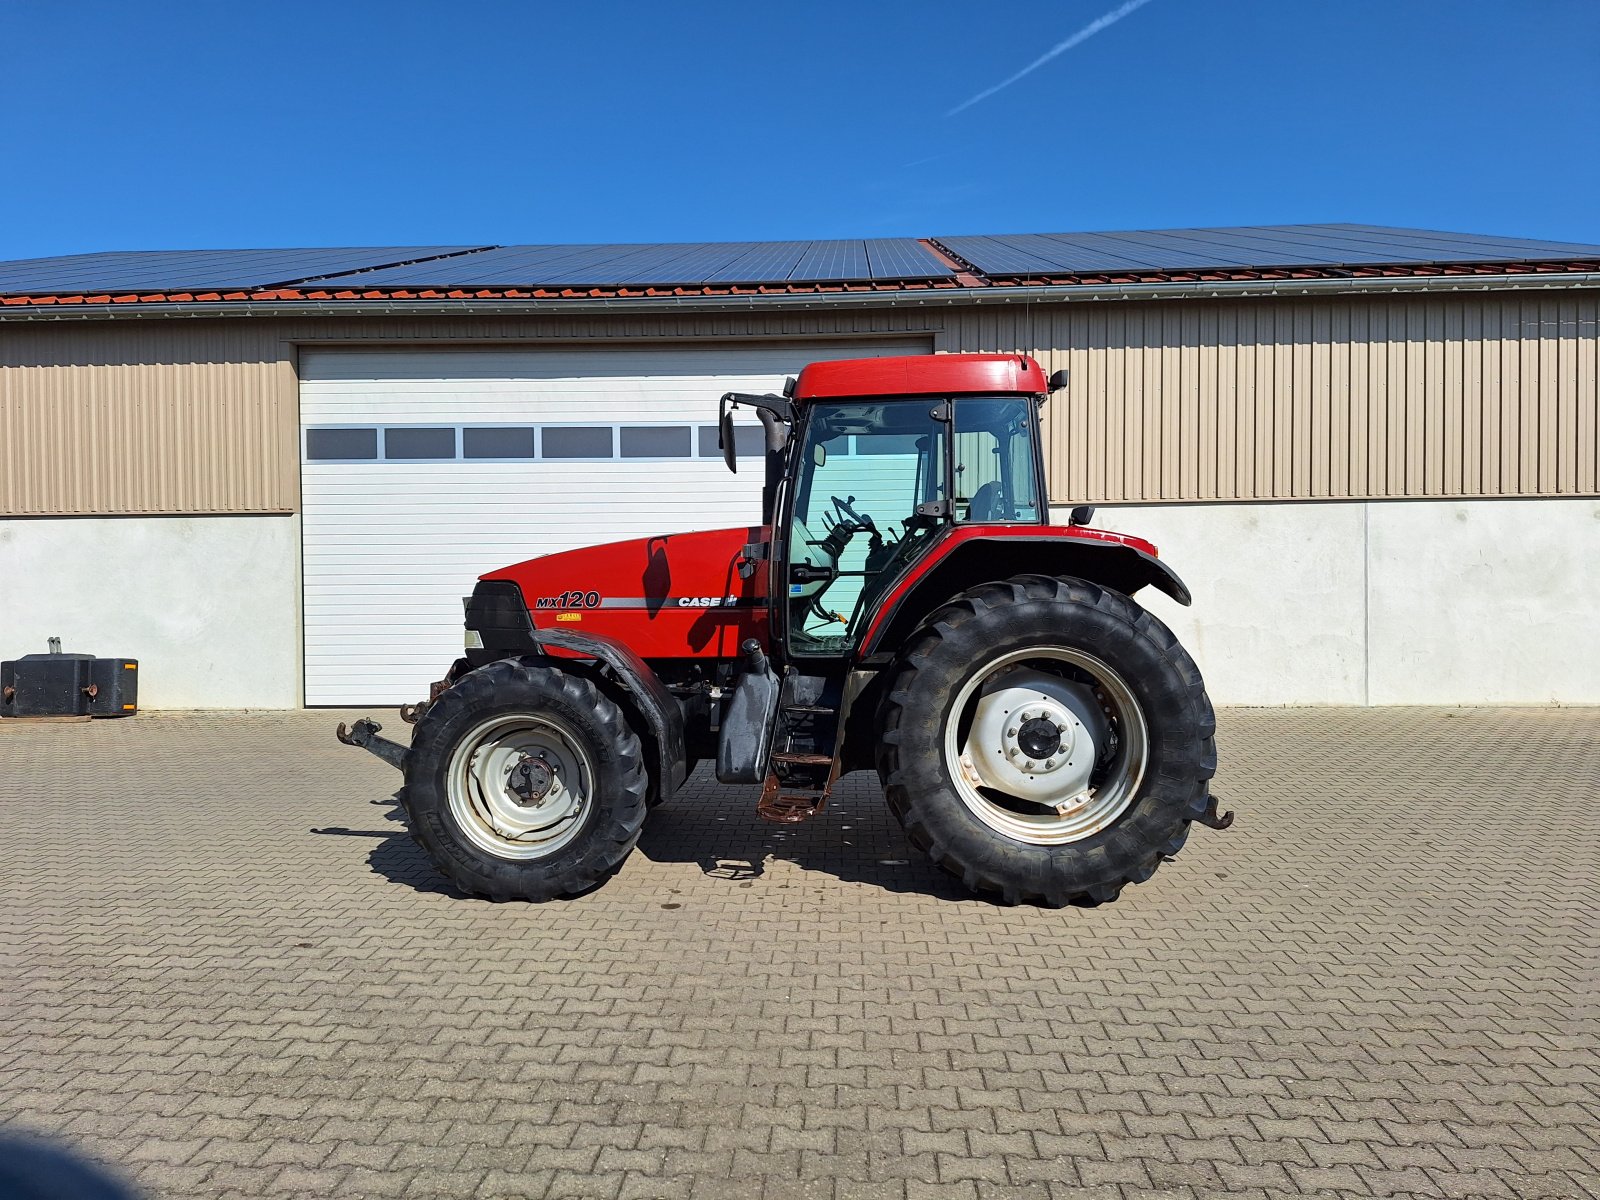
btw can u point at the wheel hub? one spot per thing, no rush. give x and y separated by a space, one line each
530 781
1036 736
1042 755
519 785
1039 737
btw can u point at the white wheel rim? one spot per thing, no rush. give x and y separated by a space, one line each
492 814
1079 792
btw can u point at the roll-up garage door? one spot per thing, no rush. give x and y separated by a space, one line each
424 468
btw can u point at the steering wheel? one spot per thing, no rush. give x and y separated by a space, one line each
848 513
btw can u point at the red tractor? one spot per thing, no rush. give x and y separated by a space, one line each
905 607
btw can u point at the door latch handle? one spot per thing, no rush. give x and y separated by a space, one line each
750 558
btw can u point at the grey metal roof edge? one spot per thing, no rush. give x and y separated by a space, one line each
1060 293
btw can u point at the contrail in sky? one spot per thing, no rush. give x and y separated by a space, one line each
1083 35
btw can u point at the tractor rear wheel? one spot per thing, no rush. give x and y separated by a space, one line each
524 782
1047 740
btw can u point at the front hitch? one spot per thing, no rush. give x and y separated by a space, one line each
364 733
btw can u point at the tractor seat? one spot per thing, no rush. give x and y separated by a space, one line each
987 504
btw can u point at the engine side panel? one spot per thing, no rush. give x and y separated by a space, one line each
676 595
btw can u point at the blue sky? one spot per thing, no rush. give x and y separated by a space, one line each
175 125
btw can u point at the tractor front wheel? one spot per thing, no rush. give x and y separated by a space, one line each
1047 740
524 782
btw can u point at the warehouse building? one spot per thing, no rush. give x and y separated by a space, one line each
271 474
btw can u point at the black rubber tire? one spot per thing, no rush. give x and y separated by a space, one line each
977 627
614 819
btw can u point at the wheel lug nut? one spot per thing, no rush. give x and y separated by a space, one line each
1011 733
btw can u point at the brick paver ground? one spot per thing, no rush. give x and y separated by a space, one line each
225 968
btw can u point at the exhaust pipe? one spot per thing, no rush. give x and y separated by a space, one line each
364 733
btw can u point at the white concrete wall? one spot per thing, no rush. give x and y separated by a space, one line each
208 605
1400 602
1394 602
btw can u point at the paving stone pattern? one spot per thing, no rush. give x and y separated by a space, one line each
227 971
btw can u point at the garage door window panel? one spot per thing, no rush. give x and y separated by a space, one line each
577 441
498 442
656 441
413 442
341 445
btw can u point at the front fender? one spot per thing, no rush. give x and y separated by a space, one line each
497 612
661 712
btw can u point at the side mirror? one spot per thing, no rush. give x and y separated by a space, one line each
1058 380
730 452
1081 515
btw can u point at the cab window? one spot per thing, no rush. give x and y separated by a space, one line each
995 479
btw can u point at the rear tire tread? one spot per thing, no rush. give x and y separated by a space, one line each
906 784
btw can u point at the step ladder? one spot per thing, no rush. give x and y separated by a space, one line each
801 774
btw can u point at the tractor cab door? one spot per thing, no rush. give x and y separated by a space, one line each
866 494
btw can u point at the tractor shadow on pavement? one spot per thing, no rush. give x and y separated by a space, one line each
396 857
854 840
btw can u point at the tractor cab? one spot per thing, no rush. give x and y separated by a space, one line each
869 463
875 482
861 486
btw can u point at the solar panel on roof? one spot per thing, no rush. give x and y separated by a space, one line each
1455 244
501 266
997 256
198 270
833 260
762 262
635 265
1244 248
904 258
669 264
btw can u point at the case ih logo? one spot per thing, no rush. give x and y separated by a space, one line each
707 601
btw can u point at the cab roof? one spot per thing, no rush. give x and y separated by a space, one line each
922 375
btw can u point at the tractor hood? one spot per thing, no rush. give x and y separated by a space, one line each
677 595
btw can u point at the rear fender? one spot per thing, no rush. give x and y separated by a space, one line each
958 564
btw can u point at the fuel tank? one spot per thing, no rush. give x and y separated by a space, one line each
676 595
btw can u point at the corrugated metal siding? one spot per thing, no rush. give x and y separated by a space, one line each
201 416
1351 398
1359 397
136 417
